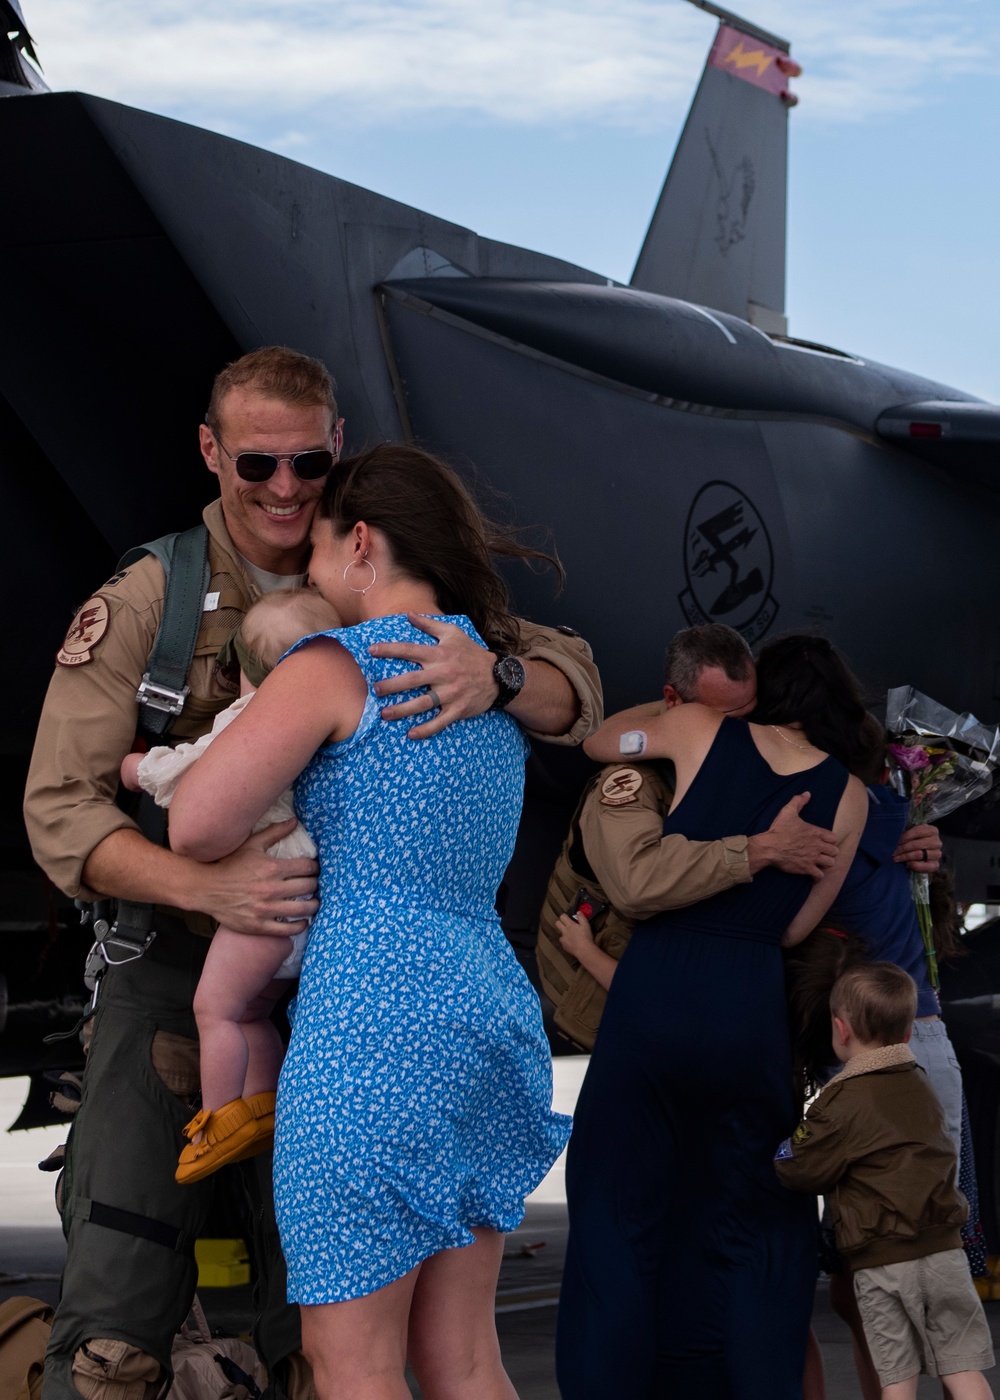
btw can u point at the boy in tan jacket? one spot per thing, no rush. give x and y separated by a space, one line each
874 1143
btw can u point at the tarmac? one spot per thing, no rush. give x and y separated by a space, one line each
32 1250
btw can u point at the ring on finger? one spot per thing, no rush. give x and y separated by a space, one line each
434 698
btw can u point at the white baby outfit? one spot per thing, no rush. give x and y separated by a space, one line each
161 770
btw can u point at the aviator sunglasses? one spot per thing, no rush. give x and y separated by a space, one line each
261 466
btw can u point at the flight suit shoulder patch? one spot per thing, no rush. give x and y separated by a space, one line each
802 1134
86 630
621 787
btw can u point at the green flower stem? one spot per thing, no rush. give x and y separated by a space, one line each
920 885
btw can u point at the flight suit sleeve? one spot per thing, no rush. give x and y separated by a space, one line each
817 1154
87 726
642 871
569 653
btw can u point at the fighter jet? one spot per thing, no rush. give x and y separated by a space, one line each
20 71
690 459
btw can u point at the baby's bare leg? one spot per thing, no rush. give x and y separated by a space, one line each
266 1051
235 988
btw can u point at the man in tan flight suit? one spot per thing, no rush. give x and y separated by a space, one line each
616 848
617 852
130 1272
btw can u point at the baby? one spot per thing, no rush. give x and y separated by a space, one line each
243 976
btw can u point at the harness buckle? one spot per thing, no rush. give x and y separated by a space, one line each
161 697
113 949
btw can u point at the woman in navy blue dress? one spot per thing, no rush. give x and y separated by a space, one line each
689 1270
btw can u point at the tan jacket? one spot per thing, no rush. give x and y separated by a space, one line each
875 1144
88 721
616 851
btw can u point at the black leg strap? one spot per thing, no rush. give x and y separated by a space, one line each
129 1223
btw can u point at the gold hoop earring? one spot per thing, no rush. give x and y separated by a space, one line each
352 565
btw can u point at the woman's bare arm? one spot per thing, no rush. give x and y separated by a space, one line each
848 824
316 695
677 732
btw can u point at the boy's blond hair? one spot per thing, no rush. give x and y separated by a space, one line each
280 619
879 1000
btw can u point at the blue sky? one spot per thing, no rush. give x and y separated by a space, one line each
550 123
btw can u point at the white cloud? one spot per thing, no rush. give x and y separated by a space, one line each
862 57
630 62
289 141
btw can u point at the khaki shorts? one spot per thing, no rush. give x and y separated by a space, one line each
923 1315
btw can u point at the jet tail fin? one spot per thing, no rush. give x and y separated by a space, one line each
717 235
17 75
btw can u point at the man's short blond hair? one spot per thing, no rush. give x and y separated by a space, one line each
280 619
276 372
879 1000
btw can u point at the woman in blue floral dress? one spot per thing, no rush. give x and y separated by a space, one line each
414 1109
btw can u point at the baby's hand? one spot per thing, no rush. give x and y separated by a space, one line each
574 933
130 771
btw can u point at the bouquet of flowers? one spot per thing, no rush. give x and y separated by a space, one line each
939 760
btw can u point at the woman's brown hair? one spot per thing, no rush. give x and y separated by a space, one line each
801 678
435 530
811 969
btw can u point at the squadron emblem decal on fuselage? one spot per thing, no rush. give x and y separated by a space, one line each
728 562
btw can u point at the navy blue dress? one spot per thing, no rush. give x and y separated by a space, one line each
689 1270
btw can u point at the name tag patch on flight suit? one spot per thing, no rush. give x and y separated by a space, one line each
620 787
87 629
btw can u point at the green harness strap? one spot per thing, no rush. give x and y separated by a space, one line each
164 687
160 697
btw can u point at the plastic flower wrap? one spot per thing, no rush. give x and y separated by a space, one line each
939 760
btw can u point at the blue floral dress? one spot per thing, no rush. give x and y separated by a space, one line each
415 1098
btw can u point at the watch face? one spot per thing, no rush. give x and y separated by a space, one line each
509 672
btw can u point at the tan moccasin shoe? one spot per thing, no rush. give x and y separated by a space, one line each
262 1107
228 1134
